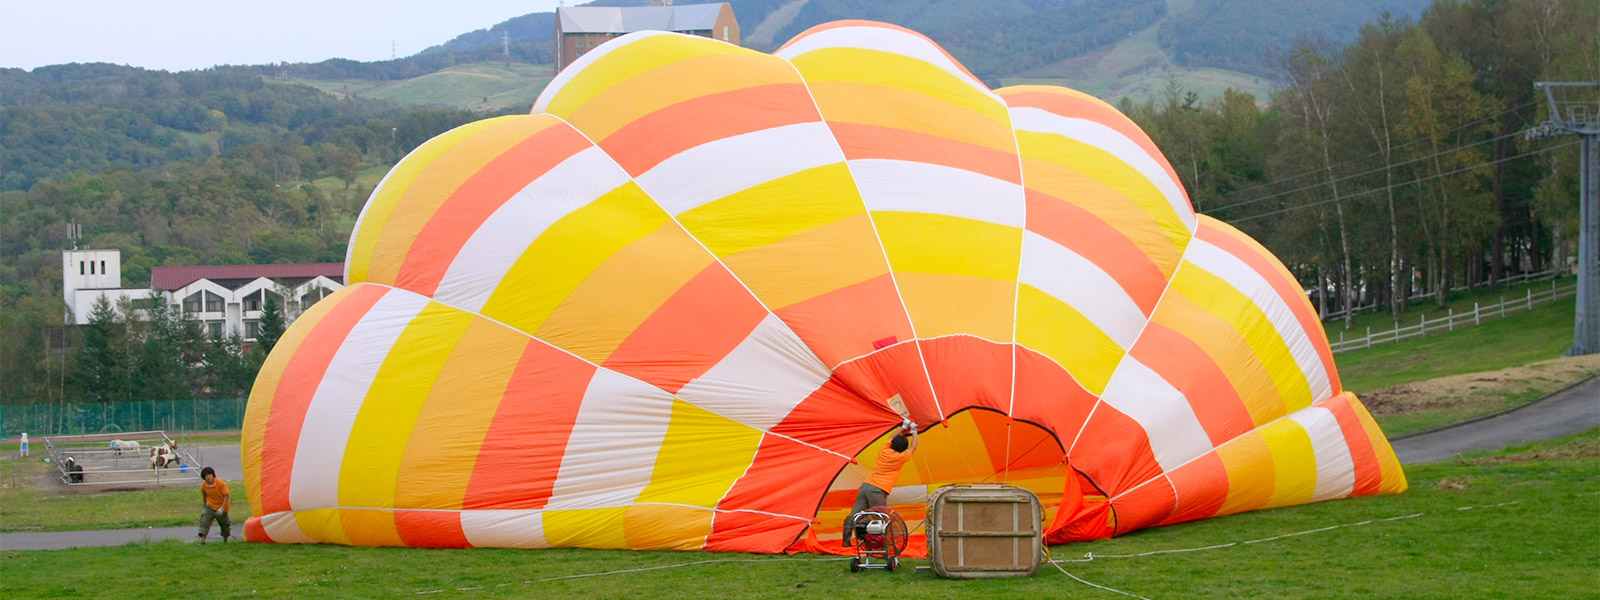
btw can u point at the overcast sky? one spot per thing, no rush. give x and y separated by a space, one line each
195 34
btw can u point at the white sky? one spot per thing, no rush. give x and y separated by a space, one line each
195 34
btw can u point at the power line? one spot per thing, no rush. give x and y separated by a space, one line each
1403 183
1368 172
1366 156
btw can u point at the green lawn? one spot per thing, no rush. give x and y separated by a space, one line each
1541 334
29 508
1540 546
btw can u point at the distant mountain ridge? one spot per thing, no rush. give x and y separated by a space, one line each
1001 38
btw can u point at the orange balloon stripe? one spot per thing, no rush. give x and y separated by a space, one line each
1091 109
1369 476
837 419
665 133
431 529
969 372
894 370
1121 450
1046 394
697 326
448 230
1091 237
783 479
1187 367
1224 236
861 141
521 454
1145 506
1201 486
293 398
842 324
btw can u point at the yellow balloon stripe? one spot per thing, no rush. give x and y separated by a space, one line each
1055 329
600 528
701 457
1221 299
861 65
807 264
775 210
1252 476
899 108
934 243
442 452
630 59
372 456
1294 463
1101 183
568 251
672 83
948 304
608 305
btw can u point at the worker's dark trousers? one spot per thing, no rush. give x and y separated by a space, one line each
870 496
207 514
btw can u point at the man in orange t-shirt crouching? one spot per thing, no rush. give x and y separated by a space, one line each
874 492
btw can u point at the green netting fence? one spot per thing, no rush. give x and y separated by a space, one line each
211 414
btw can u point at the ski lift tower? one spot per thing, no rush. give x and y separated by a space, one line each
1575 110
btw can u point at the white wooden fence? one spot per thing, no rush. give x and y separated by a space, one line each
1453 320
1424 295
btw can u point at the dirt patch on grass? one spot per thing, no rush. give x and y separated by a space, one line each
1503 387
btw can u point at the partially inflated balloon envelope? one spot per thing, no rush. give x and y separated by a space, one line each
668 310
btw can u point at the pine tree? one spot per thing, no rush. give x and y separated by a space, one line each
271 324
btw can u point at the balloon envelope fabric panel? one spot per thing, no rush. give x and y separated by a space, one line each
670 308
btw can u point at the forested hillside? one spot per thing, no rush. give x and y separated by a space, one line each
1242 35
1397 167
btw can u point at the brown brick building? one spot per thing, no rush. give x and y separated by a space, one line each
580 29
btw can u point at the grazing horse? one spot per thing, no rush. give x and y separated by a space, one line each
165 455
74 470
124 447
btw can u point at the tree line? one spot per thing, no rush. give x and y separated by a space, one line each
1396 167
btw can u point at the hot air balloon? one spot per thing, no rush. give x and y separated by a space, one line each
669 308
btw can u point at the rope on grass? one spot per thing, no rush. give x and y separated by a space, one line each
1090 556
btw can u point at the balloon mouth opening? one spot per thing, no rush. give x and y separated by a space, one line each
977 447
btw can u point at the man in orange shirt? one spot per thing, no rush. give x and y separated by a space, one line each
874 492
214 493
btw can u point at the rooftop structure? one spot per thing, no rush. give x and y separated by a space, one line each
580 29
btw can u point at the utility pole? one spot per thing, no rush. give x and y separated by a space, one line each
505 47
1578 113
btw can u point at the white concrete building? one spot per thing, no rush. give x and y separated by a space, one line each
224 299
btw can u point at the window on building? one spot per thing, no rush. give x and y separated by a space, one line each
312 295
102 267
724 33
252 329
91 267
253 301
214 328
192 303
213 302
80 268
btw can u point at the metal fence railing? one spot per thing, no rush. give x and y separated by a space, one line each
1452 320
209 414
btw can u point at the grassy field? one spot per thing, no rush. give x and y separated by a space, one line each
1541 334
1529 533
478 86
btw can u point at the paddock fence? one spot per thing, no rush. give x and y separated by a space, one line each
1452 320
